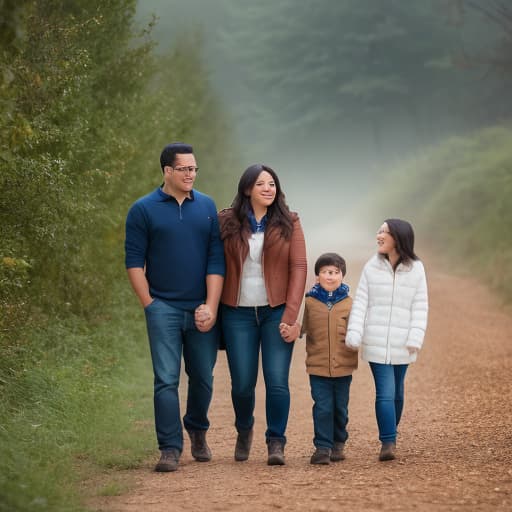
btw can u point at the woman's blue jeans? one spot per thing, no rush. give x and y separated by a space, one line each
245 330
330 409
389 399
171 332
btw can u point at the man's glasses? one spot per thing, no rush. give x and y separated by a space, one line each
190 169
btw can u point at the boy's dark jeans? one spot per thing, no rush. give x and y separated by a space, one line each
330 410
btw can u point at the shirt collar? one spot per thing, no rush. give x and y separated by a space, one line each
161 196
257 227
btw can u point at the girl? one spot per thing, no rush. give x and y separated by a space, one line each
389 318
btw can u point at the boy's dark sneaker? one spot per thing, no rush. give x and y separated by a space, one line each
168 460
275 452
387 451
337 452
321 456
198 446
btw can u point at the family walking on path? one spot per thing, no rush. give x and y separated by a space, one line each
240 275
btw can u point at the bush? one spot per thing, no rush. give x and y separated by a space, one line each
88 108
458 195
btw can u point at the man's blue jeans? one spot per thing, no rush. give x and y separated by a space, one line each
330 410
245 329
171 332
389 399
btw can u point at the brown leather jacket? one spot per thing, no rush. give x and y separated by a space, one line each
284 266
327 354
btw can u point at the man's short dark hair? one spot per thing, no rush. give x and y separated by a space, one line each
170 151
330 258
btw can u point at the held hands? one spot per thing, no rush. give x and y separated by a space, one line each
204 318
288 332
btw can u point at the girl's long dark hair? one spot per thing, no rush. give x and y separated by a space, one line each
403 235
278 213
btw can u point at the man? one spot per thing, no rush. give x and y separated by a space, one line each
175 263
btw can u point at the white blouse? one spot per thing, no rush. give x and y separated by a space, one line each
252 286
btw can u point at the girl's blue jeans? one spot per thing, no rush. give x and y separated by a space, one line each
389 399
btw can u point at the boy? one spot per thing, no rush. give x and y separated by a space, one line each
329 362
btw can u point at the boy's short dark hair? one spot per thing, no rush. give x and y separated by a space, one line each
330 258
171 150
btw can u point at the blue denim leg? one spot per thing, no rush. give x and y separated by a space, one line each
276 356
400 370
164 325
242 338
244 330
341 397
172 332
322 392
199 355
330 409
389 388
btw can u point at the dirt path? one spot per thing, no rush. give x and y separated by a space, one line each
455 442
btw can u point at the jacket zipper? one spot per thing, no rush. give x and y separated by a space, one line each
329 309
388 355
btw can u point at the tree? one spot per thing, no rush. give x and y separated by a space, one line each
88 107
351 74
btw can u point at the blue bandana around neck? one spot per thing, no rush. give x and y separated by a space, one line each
257 227
329 298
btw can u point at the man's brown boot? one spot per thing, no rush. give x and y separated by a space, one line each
168 460
199 448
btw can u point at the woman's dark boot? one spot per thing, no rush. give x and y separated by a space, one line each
243 445
275 452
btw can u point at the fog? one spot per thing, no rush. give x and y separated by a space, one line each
335 94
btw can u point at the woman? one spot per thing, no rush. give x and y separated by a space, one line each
389 318
263 288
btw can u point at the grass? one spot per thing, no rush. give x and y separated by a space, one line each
73 400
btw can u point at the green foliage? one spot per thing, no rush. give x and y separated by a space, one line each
81 405
86 109
64 116
458 196
89 107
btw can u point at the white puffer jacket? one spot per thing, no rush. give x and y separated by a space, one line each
389 313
